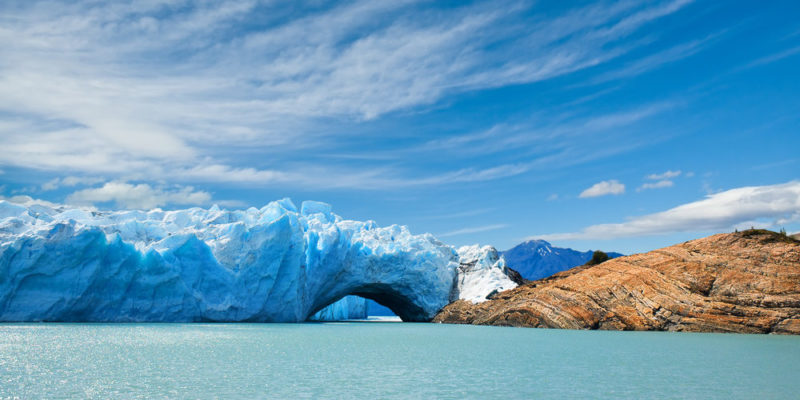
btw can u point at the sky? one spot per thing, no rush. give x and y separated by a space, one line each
623 126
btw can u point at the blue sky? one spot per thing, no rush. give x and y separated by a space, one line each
624 126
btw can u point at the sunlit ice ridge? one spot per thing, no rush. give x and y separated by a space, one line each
273 264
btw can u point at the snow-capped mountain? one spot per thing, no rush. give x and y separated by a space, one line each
537 259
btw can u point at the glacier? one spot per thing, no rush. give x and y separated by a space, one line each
277 263
481 268
348 307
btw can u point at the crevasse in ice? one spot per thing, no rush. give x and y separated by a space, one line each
276 263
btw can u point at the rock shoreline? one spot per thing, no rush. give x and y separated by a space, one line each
744 282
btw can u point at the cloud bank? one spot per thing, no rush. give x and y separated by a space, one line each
740 207
138 196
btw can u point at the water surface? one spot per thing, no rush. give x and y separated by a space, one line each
387 360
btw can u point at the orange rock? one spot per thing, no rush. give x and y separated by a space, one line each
745 282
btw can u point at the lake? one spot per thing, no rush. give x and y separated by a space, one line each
387 360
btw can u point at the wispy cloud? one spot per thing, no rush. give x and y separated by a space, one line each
664 175
779 204
70 181
770 58
775 164
537 145
544 133
627 117
656 185
663 180
28 200
656 60
604 188
475 229
138 196
148 88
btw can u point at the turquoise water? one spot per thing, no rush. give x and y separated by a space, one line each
387 360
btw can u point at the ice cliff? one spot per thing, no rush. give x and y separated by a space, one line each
348 307
276 263
481 268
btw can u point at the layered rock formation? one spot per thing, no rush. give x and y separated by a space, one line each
745 282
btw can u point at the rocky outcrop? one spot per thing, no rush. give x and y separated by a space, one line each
746 282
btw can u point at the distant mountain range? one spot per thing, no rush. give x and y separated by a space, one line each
537 259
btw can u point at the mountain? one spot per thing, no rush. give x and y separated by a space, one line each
747 282
537 259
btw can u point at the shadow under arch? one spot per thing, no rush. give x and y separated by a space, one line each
386 296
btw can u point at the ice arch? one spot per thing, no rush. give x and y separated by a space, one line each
385 294
346 308
273 264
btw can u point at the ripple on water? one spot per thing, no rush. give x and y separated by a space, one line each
387 360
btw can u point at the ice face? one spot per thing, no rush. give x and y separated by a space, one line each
269 264
481 271
348 307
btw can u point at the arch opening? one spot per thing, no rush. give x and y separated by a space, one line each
386 296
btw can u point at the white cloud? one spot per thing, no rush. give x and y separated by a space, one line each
656 185
117 89
666 175
70 181
28 201
604 188
720 211
627 117
473 230
770 58
138 196
565 143
128 196
663 180
536 134
657 60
